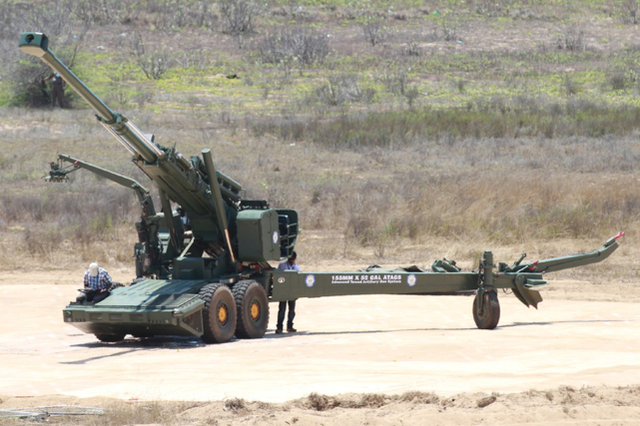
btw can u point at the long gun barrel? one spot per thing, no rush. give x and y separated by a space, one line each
37 44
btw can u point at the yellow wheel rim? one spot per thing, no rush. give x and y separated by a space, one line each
222 314
255 311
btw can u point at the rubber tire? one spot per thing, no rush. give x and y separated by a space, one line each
218 297
253 309
489 316
110 338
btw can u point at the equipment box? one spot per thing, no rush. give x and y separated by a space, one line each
258 236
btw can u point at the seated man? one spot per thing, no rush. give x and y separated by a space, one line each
96 284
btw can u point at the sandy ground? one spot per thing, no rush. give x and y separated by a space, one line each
576 361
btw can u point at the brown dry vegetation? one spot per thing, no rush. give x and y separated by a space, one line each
410 205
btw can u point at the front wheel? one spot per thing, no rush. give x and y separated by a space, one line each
219 313
487 316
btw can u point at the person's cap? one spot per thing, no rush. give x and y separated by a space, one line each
293 256
93 269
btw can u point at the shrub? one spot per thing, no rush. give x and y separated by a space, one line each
176 14
373 29
629 10
341 89
396 80
106 12
154 64
239 15
618 81
412 49
447 27
305 46
570 38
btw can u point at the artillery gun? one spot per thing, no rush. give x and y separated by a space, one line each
219 283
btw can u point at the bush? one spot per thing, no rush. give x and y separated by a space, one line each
239 15
447 26
629 10
341 89
154 64
106 12
618 81
176 14
373 29
305 46
570 38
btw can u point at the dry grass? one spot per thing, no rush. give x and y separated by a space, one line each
362 204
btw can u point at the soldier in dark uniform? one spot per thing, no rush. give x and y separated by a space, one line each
57 89
289 265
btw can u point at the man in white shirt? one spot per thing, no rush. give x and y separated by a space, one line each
289 265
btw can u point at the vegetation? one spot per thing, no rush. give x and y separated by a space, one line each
386 124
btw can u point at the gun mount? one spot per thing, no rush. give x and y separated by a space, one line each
60 173
226 292
155 250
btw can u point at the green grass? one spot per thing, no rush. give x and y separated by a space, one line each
445 81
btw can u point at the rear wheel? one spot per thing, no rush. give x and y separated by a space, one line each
110 338
253 309
219 313
487 317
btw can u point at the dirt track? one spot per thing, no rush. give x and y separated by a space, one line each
376 344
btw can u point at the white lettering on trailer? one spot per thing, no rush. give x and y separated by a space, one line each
367 279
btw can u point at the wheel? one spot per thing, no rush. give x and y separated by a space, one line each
486 318
219 313
253 309
110 338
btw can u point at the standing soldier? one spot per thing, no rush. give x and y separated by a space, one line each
57 89
289 265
